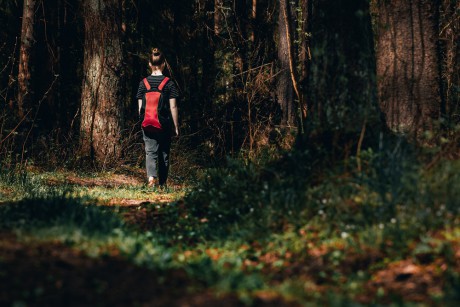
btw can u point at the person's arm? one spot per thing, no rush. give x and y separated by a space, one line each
140 93
174 114
139 102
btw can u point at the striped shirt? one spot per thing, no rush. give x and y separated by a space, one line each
170 90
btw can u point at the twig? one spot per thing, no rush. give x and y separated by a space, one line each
15 128
73 120
251 69
360 143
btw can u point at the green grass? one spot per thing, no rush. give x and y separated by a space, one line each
17 185
286 230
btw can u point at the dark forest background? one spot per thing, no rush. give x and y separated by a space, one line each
252 74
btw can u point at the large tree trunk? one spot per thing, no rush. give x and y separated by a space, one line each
284 87
407 64
102 98
27 41
343 107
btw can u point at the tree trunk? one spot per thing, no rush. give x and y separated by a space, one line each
343 107
304 54
449 31
218 4
284 87
240 46
253 27
407 64
102 99
27 41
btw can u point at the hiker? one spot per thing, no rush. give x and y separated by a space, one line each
157 98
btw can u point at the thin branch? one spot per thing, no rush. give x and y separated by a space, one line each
360 143
251 69
15 128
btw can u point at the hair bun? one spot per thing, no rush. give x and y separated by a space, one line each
156 57
156 52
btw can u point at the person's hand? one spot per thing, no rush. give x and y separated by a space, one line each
177 131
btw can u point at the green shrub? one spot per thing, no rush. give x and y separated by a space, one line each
392 193
243 198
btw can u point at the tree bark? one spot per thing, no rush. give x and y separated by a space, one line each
284 88
343 107
449 32
218 4
27 40
253 27
304 53
407 64
240 24
102 98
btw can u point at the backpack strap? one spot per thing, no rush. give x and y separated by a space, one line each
163 83
147 84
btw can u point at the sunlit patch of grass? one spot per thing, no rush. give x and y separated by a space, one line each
106 188
105 194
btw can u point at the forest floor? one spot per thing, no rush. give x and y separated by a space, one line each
121 249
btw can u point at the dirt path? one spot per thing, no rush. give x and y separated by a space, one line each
109 181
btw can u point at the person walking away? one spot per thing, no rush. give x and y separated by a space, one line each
157 101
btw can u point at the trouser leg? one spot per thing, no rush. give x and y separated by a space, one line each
163 158
151 153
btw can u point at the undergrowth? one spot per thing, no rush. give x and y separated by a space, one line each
393 191
296 226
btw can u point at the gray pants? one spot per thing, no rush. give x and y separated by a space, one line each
157 146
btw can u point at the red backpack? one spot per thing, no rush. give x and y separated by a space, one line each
156 116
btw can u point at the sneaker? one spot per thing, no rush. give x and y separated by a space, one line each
151 183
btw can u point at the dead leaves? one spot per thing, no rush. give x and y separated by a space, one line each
412 281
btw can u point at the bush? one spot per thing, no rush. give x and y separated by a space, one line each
391 193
